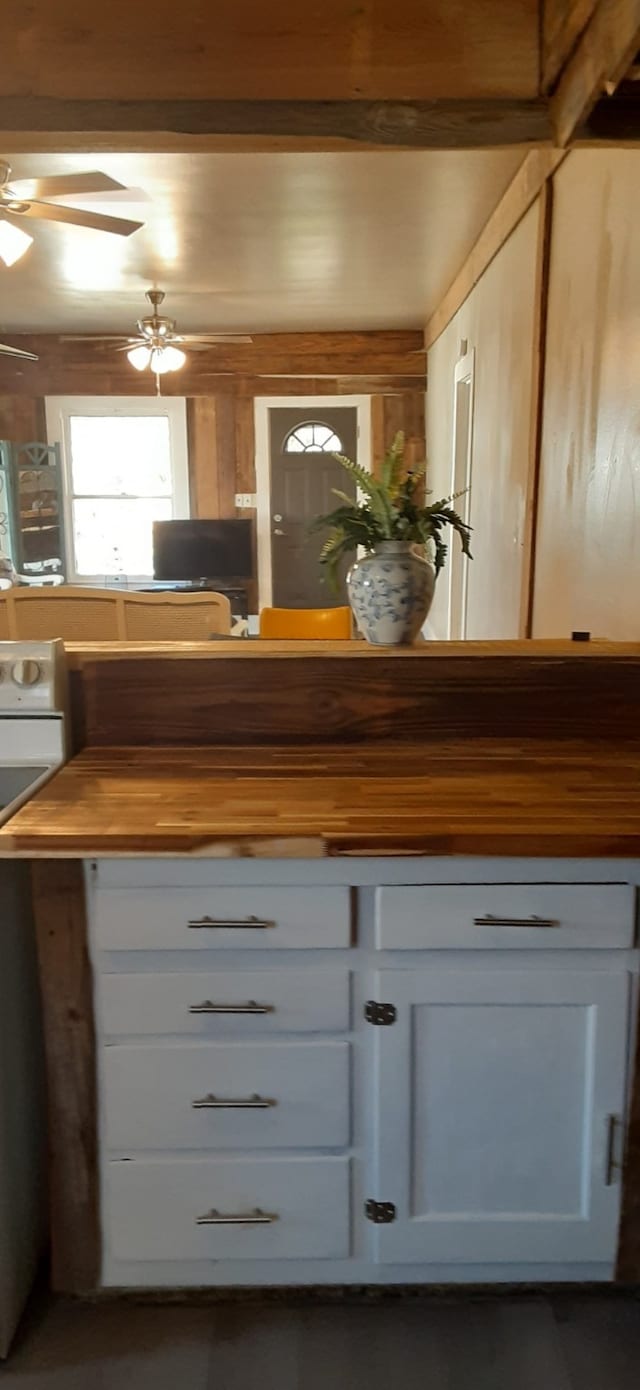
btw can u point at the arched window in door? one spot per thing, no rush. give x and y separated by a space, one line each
312 438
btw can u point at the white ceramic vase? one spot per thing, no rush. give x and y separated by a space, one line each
390 592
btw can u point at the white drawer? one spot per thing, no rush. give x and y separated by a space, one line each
210 919
215 1096
225 1003
151 1210
446 916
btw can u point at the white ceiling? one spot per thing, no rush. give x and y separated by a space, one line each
259 242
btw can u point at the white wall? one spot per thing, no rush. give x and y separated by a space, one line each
588 542
499 320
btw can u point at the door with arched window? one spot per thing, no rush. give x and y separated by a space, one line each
303 473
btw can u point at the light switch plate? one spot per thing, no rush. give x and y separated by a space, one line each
245 499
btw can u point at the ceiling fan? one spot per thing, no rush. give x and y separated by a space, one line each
157 345
28 198
17 352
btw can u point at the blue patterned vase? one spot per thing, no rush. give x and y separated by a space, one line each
390 592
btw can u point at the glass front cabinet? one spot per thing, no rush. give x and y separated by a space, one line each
31 509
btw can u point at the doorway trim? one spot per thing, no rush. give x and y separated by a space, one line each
262 406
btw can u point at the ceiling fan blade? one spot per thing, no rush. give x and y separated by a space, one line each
96 338
17 352
54 212
63 185
205 340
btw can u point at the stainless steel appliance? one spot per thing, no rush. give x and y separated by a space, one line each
32 745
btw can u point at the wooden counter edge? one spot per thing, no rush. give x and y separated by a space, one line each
66 984
80 653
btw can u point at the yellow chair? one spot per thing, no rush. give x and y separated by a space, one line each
329 624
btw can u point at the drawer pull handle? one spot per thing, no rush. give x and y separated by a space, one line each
490 921
250 1218
208 1007
251 1103
218 923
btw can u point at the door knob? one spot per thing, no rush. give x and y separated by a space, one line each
277 517
278 532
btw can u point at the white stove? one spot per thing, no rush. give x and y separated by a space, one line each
33 722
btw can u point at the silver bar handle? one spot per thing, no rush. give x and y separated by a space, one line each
208 1007
250 1218
490 921
229 924
254 1102
613 1150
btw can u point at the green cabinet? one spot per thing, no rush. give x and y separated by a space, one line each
31 508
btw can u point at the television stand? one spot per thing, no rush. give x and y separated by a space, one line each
236 592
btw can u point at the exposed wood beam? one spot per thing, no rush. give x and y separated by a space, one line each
69 383
524 188
442 124
273 364
562 24
600 60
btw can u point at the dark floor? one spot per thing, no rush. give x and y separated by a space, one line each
522 1342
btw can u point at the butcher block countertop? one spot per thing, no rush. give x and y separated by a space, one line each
462 797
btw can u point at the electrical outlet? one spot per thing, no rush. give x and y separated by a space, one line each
245 499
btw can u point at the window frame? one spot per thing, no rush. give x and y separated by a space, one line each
59 410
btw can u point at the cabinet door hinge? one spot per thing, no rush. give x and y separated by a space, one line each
382 1213
382 1014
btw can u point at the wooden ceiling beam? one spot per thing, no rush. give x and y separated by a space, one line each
276 354
274 364
563 21
602 56
41 123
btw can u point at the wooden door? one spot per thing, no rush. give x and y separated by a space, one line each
303 473
495 1092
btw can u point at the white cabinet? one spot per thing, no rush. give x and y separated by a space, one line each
495 1094
252 1116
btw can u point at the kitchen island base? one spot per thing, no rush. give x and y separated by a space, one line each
367 1071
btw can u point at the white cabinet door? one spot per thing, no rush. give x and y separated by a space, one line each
494 1092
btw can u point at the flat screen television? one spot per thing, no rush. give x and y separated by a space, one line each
190 550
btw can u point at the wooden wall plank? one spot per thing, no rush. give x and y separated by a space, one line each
67 998
390 413
202 446
255 700
395 49
22 419
536 168
605 51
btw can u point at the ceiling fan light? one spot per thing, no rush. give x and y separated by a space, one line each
167 359
139 357
13 242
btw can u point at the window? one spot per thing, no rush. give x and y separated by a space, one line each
313 438
125 466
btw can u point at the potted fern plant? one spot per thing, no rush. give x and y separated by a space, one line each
391 587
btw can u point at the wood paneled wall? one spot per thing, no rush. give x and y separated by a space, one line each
22 419
500 320
588 541
389 366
